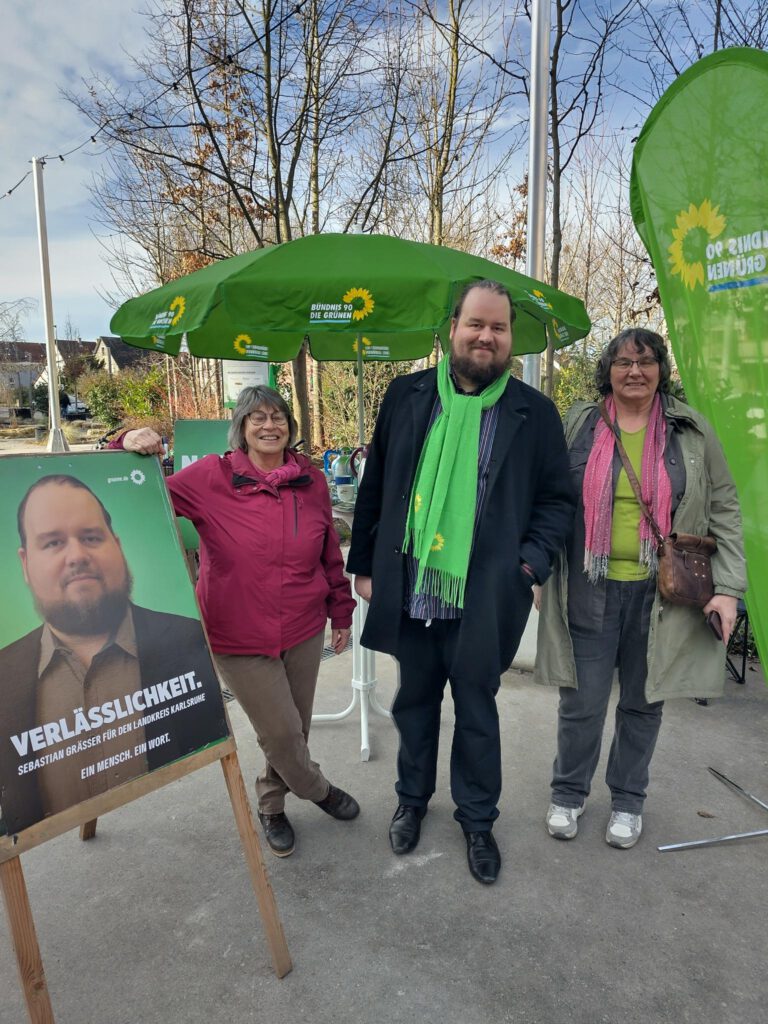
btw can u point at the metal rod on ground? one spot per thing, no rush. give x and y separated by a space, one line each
737 788
56 440
712 842
537 161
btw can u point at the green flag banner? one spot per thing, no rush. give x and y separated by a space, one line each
699 198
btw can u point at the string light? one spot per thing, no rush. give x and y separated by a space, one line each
173 87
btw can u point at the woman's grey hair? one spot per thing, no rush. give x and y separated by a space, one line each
642 340
249 400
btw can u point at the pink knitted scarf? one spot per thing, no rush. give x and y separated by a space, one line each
272 478
597 492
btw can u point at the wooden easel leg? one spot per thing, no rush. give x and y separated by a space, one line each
88 829
281 958
25 944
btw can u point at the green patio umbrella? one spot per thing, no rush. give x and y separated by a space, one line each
354 297
391 294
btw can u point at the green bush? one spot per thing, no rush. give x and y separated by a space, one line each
132 394
576 382
40 398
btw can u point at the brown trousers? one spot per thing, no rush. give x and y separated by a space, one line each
277 695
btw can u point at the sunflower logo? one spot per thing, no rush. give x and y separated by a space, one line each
180 304
357 296
439 542
366 343
540 299
240 343
417 503
692 222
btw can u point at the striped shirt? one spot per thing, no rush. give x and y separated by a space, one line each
426 606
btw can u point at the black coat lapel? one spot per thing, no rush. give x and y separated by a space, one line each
513 412
423 396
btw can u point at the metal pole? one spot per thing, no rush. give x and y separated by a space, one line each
360 409
537 161
56 440
737 788
712 842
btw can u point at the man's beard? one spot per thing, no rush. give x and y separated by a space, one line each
482 376
97 617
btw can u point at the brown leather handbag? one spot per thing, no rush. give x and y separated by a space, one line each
684 573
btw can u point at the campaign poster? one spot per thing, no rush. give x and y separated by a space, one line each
105 672
191 440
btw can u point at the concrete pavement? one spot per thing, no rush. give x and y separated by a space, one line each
155 921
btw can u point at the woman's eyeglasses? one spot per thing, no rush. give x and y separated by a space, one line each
645 363
258 419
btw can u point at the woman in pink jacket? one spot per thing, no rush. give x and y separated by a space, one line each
271 574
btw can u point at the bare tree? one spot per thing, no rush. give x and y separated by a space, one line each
583 63
456 126
230 138
671 36
12 315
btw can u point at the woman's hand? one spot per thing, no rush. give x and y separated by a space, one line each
536 596
339 639
144 440
364 587
725 606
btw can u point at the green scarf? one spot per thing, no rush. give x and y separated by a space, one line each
441 512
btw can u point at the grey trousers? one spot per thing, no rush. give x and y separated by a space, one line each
621 643
277 694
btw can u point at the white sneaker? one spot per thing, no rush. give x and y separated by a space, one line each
624 829
562 822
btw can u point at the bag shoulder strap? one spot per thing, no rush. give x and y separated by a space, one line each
631 475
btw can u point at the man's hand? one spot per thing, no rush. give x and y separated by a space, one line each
364 587
536 597
725 606
339 639
144 440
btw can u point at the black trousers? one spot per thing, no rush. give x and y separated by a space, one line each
425 656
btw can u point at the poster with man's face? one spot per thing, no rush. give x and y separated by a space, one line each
105 673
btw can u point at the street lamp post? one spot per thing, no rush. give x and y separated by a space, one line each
57 442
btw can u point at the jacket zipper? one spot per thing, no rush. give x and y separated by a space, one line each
295 515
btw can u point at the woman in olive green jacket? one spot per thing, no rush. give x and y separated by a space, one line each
610 614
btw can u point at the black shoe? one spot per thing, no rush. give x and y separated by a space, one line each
405 828
339 804
483 856
279 834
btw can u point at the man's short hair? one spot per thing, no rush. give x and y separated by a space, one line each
63 479
490 286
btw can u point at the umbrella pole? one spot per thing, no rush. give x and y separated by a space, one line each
364 679
360 408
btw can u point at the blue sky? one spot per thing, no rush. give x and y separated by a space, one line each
47 46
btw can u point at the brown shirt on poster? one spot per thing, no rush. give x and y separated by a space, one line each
65 683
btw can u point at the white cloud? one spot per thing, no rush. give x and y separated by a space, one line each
49 46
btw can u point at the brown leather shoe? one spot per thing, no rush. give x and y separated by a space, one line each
339 804
278 833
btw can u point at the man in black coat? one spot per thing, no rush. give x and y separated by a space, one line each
104 690
523 512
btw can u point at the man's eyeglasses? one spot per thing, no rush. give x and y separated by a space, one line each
645 363
258 419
